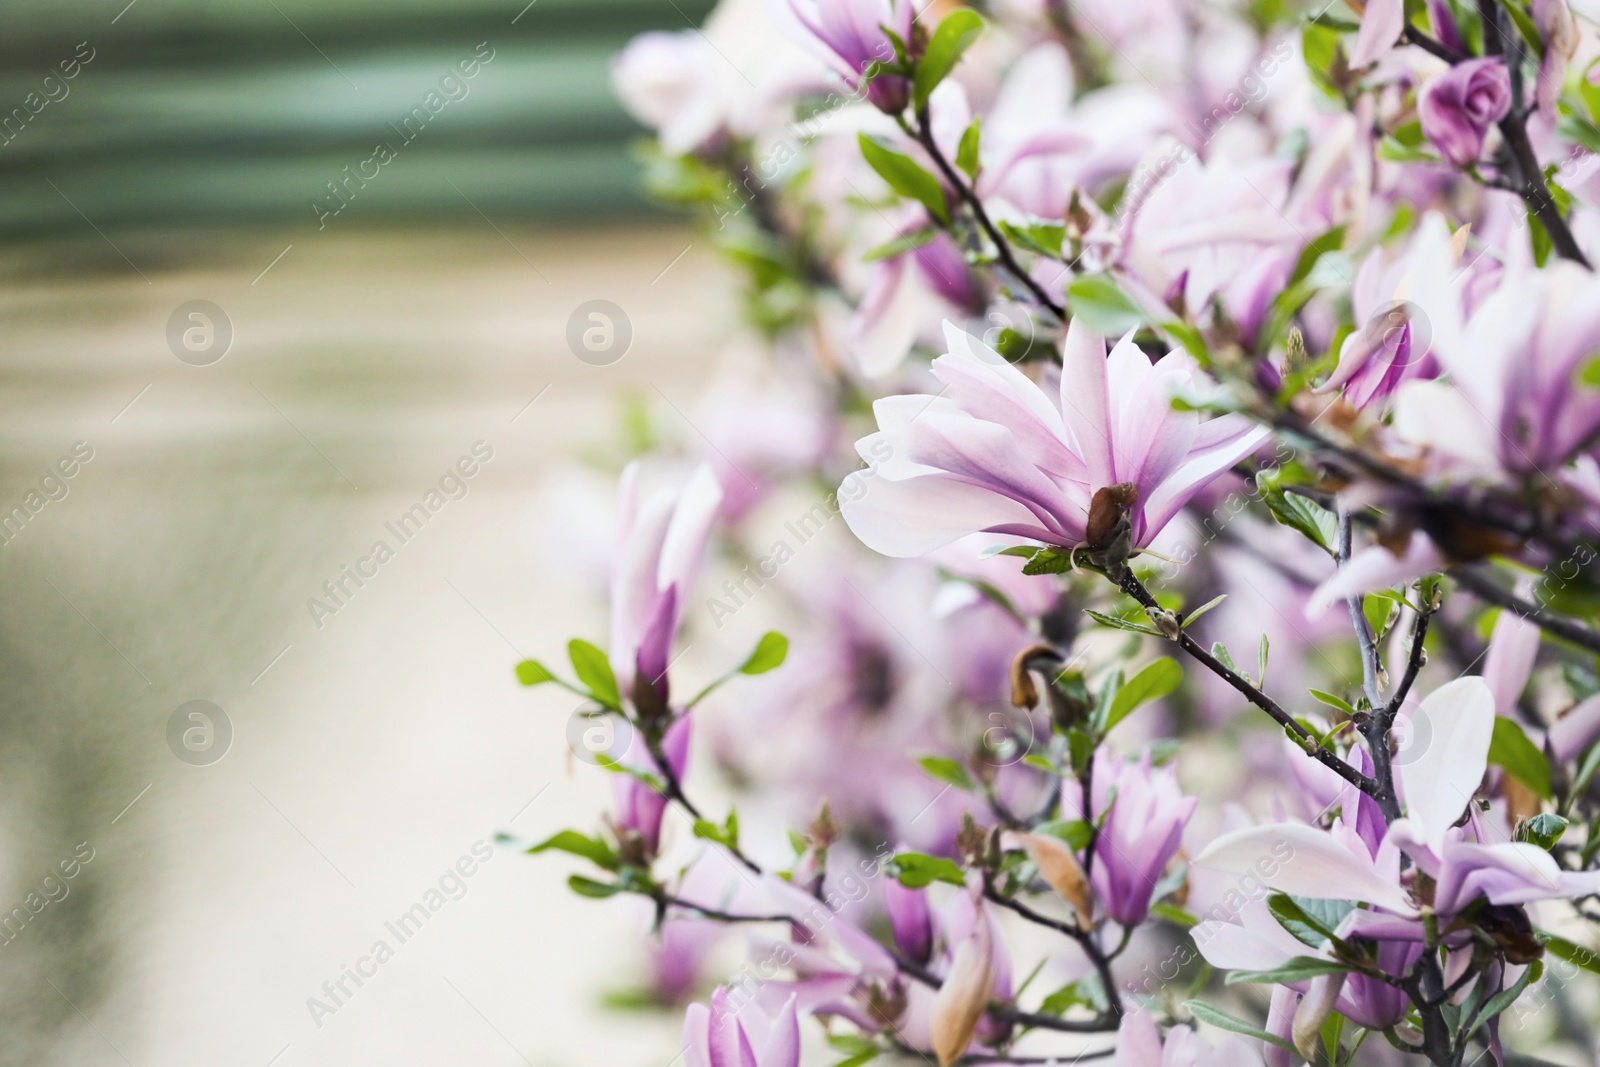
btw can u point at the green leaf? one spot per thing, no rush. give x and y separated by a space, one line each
723 835
576 844
858 1059
1299 969
1297 512
588 887
1221 653
1103 305
1223 1021
1261 661
1570 951
849 1043
1589 373
1080 747
1333 702
946 770
916 871
1120 624
906 242
770 652
906 177
1201 610
1586 769
1332 1032
967 151
1545 830
1154 682
594 671
1083 993
1075 832
1409 133
1581 680
532 672
1311 922
1040 763
1313 251
1525 26
1175 915
1042 560
1504 999
1511 749
1378 609
1040 238
953 37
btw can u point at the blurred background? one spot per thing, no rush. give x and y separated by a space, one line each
250 361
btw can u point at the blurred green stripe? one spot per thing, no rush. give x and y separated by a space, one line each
218 113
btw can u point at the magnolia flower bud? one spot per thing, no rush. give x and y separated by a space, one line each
962 999
1314 1009
1059 867
1458 107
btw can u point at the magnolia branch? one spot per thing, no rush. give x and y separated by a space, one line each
674 791
924 137
1483 587
1310 742
1085 940
1105 1022
1529 182
1009 1012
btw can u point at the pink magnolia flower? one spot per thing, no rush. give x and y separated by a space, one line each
1382 22
1226 227
1458 107
849 34
1453 726
660 545
1511 404
1142 812
910 920
1139 1044
1393 338
720 1036
1258 942
994 453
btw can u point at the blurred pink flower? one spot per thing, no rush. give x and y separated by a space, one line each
674 83
1393 337
720 1036
905 294
1458 107
1511 403
1139 1044
660 545
1382 22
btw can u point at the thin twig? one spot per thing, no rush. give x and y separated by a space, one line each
924 136
1085 940
1134 588
1480 585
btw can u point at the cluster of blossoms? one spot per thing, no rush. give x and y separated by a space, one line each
1117 334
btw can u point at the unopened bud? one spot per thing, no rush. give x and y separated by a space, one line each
1314 1010
962 999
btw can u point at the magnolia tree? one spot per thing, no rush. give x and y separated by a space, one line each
1208 673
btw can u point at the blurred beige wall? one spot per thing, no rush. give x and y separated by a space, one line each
370 754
